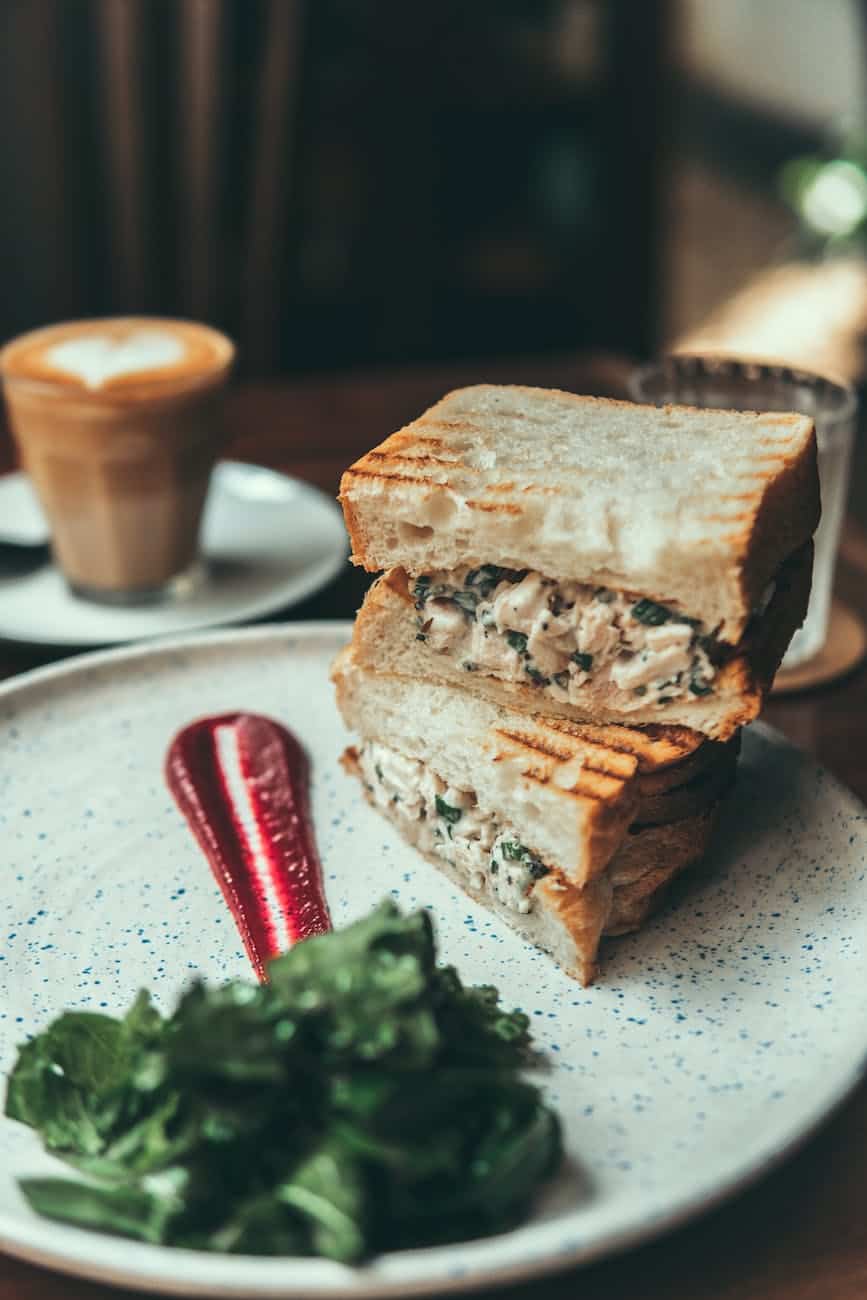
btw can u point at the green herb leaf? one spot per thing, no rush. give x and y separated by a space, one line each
447 811
489 576
131 1211
584 661
66 1081
362 1100
330 1190
648 612
512 851
699 688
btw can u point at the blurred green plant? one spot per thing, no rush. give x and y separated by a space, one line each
829 196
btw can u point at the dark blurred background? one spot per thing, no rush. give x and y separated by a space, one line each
342 183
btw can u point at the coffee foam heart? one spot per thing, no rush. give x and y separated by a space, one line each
96 359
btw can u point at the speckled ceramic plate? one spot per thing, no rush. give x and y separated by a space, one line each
715 1041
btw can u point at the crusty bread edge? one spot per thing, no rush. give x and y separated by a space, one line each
741 686
635 902
783 518
602 819
671 849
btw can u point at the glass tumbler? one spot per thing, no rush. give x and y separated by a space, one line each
741 384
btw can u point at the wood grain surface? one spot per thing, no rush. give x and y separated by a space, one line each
801 1232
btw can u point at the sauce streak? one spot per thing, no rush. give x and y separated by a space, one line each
242 783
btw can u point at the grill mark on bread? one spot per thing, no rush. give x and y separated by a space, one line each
658 751
597 788
771 475
728 519
455 426
595 758
500 507
438 444
389 458
383 472
593 784
777 417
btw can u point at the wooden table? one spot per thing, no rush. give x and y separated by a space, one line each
801 1233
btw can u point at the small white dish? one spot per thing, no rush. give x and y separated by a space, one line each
268 542
22 522
715 1041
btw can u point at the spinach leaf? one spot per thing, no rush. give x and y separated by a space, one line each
518 641
466 601
68 1081
447 811
584 661
361 1100
330 1190
142 1211
649 613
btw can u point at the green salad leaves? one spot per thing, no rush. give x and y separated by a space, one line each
363 1100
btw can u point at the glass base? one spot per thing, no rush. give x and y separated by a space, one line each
179 587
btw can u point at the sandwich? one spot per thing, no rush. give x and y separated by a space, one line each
588 559
565 831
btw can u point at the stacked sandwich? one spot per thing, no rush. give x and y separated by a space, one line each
583 602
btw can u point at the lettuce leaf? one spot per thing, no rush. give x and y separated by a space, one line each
362 1100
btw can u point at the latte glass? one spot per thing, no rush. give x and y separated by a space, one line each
741 384
118 423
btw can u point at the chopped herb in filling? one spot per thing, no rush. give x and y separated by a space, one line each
450 823
446 811
653 615
564 636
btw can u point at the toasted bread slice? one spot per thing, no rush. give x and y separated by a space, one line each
569 799
694 509
386 638
689 797
568 921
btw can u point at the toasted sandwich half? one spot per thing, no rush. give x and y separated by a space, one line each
564 832
597 559
515 639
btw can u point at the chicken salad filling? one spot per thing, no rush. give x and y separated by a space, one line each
450 823
524 627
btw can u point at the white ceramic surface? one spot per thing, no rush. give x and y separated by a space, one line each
714 1041
21 519
268 540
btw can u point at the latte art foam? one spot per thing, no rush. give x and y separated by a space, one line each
96 360
119 359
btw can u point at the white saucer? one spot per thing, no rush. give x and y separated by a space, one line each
268 542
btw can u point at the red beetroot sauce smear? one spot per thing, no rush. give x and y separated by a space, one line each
276 773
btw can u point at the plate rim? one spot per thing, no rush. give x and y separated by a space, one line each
306 585
538 1261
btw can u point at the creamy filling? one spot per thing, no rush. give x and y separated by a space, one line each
560 636
449 822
